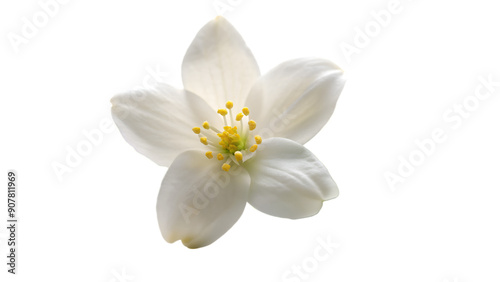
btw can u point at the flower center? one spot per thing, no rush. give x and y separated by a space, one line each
233 144
231 140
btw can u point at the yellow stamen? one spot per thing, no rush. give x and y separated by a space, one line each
230 139
222 112
252 124
206 125
230 142
226 167
239 156
258 139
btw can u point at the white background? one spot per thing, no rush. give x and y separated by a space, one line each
99 222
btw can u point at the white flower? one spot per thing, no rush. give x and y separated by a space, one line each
250 150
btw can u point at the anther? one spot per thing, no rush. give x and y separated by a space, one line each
196 130
239 116
258 139
226 167
252 124
209 155
220 157
246 111
206 125
238 155
253 148
204 140
222 112
229 104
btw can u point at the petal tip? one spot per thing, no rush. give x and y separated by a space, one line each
114 100
219 18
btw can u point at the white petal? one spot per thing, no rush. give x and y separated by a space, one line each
198 201
158 123
288 180
296 98
218 65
